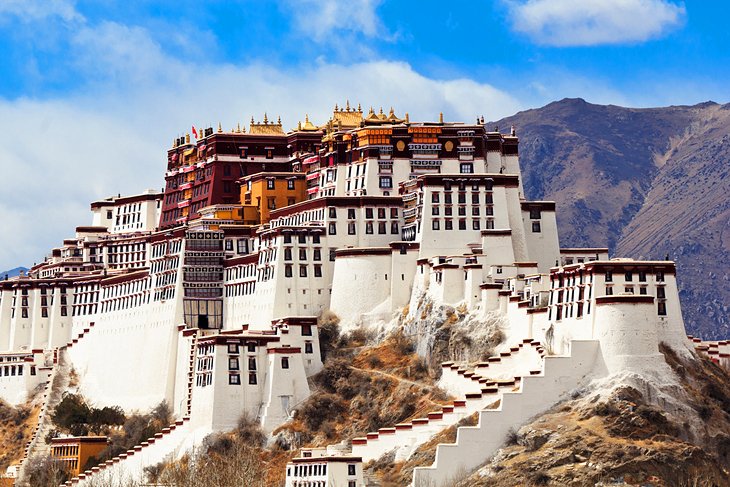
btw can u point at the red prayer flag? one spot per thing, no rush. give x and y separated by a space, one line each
195 132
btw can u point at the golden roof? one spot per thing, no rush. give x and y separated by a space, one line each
308 126
266 127
346 117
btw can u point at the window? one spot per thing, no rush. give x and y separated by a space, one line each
642 290
369 228
251 347
251 362
308 347
284 362
63 311
234 379
252 378
381 228
629 276
302 238
288 272
287 253
394 212
332 212
232 348
290 184
351 228
609 276
475 224
448 224
435 210
660 293
302 271
307 330
333 253
434 224
233 363
609 291
317 254
287 238
660 276
270 184
475 198
466 168
535 213
332 228
447 198
462 224
629 289
315 238
302 254
434 197
350 469
271 203
317 271
351 213
386 182
662 308
44 312
642 276
475 211
536 227
226 186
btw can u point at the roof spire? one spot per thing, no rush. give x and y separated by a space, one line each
337 107
278 120
266 119
238 128
359 108
441 117
407 119
347 103
220 129
306 117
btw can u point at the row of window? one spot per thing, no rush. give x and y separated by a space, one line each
461 210
461 198
369 228
462 224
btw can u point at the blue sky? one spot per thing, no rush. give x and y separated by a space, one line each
93 92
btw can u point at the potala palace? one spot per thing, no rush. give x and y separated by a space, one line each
207 294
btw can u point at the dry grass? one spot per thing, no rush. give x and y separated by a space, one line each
16 429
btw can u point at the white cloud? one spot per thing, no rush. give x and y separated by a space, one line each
320 18
31 10
594 22
112 136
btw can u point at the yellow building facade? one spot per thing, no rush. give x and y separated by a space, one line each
264 192
75 451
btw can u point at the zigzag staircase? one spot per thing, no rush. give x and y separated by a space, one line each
478 390
537 392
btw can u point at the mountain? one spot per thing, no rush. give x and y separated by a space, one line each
647 183
13 272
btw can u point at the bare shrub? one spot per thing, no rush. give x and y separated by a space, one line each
44 471
328 325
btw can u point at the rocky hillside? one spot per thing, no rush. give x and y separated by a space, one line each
645 183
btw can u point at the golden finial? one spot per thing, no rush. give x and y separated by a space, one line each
187 138
266 119
278 120
306 118
381 111
174 142
347 103
252 122
337 107
238 128
359 108
299 125
371 112
407 119
220 129
391 111
441 117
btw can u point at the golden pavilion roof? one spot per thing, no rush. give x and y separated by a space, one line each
265 127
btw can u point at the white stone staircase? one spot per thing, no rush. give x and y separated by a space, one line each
538 392
56 385
477 393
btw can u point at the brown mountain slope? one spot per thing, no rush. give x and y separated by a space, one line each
646 183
